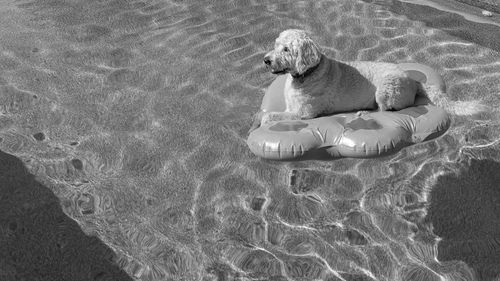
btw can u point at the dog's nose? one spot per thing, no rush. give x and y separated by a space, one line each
267 60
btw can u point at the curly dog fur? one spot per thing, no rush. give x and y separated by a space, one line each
317 85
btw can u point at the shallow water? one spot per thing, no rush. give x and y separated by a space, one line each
134 114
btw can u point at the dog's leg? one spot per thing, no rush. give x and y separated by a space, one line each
362 112
261 118
395 93
278 116
382 99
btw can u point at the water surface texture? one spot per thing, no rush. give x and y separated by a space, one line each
133 115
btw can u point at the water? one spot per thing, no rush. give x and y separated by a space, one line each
134 115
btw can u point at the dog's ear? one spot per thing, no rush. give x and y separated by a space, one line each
308 54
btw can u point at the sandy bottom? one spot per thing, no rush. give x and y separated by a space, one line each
128 122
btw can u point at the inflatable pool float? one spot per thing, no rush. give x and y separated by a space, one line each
345 134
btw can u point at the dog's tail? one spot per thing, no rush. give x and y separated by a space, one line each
438 97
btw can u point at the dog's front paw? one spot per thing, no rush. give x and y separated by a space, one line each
268 117
278 116
362 112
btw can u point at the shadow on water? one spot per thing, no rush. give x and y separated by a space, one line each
38 241
464 212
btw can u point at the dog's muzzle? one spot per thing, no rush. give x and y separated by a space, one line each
267 60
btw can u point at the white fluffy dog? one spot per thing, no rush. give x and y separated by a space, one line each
317 85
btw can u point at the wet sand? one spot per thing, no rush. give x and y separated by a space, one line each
133 117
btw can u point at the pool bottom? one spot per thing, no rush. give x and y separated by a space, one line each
454 24
157 117
489 5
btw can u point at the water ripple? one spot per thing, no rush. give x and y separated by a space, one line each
135 114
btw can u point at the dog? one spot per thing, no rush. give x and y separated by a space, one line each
317 85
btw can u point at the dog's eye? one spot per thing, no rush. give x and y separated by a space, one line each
285 49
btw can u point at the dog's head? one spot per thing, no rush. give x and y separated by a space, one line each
294 52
